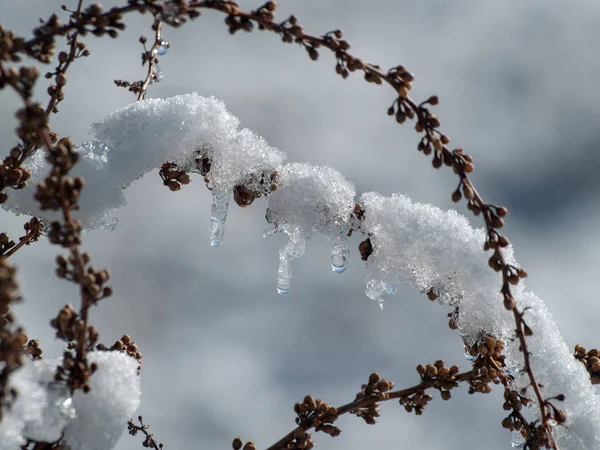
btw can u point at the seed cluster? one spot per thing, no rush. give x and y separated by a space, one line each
317 414
377 388
173 178
591 360
488 364
93 281
125 345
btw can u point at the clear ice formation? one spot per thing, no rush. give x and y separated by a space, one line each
295 248
218 217
157 74
308 199
517 440
339 257
412 243
139 138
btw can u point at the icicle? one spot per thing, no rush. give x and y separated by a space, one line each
295 248
284 273
219 208
339 257
275 229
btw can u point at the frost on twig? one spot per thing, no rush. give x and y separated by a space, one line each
432 250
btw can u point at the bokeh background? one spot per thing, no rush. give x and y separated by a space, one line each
223 353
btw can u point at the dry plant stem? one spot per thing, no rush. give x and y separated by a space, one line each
149 442
400 81
80 271
24 240
151 59
352 406
520 328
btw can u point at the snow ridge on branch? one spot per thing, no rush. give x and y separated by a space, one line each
434 251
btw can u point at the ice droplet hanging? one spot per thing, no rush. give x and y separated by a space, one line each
218 217
339 257
295 248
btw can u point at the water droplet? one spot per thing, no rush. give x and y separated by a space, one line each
512 371
163 48
470 357
339 257
219 208
517 440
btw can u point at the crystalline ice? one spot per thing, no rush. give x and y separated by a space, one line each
426 247
58 409
219 208
295 248
339 257
157 74
45 411
113 398
308 199
517 440
141 137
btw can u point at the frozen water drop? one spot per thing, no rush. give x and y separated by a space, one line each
517 440
157 74
294 249
512 371
269 231
284 272
110 225
163 48
219 209
468 355
339 257
391 290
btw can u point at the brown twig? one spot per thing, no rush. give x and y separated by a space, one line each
367 402
149 441
151 59
25 240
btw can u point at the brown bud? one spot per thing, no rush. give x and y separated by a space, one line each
374 378
237 443
509 303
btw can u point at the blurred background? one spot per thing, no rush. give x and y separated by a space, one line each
224 354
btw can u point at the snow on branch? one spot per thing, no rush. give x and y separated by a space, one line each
45 411
436 252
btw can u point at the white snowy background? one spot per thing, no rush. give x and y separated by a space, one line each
224 354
